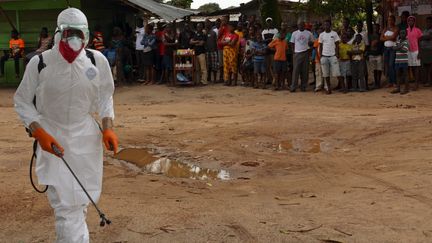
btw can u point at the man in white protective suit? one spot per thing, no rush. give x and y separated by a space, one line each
70 85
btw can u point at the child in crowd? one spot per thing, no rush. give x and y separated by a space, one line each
319 81
289 53
241 44
425 52
401 63
247 64
357 64
247 68
315 33
242 53
280 61
259 50
344 62
375 56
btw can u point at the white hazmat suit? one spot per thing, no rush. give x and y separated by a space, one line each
67 94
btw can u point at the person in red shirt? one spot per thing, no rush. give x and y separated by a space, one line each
170 42
160 53
221 33
16 51
229 43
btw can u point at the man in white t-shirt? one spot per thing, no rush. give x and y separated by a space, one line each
268 33
329 49
301 40
139 32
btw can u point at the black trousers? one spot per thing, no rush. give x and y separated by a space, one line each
5 58
140 63
358 75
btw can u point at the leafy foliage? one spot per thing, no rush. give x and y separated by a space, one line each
209 7
270 8
337 9
331 7
186 4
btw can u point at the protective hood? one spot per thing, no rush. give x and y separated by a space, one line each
72 33
73 18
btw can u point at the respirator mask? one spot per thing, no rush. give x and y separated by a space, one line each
73 40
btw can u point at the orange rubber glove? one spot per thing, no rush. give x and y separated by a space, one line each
110 140
46 141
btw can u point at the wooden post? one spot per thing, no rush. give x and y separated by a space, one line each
7 18
369 16
17 20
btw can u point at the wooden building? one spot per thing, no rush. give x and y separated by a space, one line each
29 16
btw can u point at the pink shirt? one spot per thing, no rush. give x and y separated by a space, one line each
413 35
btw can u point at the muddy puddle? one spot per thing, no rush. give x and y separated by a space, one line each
305 145
149 162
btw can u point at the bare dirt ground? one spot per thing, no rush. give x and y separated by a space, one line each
339 168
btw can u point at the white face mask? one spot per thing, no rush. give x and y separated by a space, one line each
75 43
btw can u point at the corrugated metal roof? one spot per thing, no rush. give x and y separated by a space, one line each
165 11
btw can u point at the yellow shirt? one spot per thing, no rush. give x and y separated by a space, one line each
344 48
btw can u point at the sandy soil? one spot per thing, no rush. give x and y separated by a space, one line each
305 168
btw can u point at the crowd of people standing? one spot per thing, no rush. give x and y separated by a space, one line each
250 54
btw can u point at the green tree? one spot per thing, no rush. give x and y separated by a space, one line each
270 8
209 7
333 7
186 4
354 10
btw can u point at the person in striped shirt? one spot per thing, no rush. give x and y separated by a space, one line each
401 63
98 40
